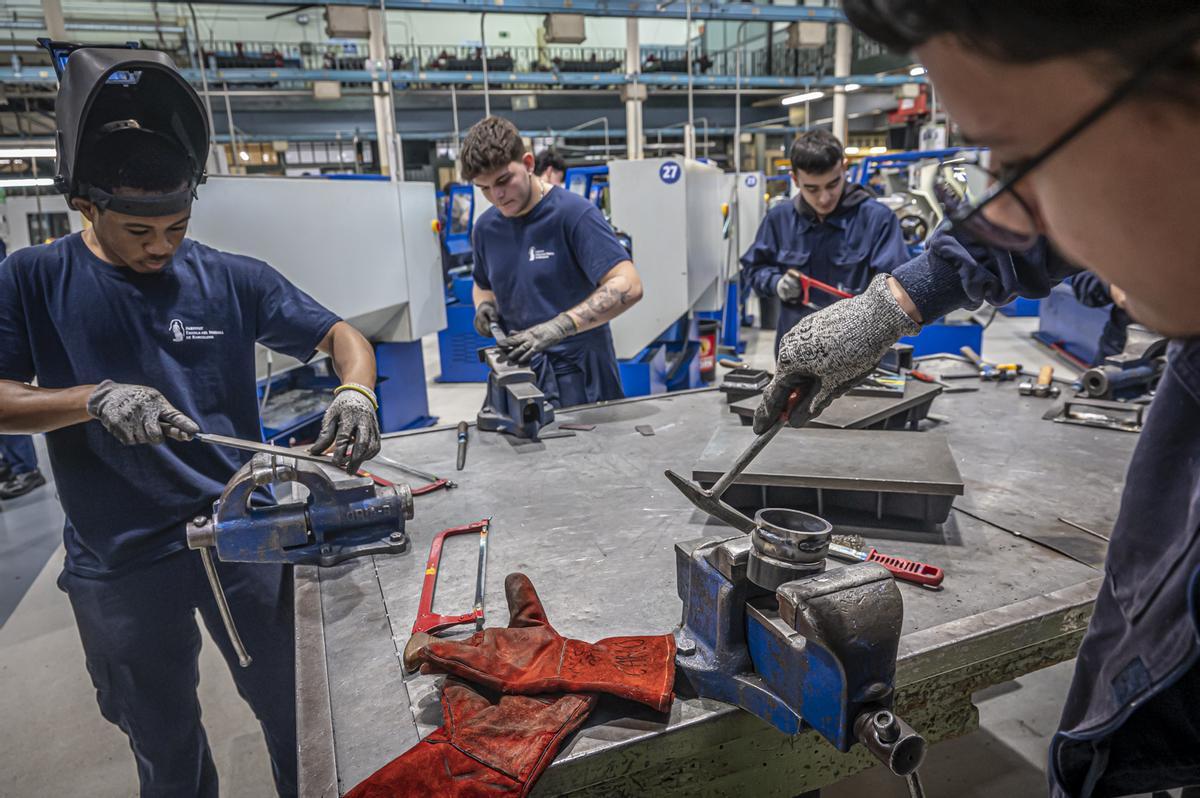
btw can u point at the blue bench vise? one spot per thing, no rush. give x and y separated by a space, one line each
337 521
514 403
766 628
1131 372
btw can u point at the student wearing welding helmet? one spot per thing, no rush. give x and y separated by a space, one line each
833 231
139 337
548 270
1060 91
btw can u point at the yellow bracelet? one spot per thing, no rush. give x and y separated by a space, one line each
364 390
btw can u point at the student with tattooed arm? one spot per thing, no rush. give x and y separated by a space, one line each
548 270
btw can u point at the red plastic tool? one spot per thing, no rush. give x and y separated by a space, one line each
427 620
908 570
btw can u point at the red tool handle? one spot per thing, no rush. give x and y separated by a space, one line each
908 570
430 487
427 620
807 283
421 490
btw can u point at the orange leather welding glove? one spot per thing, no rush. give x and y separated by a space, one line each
529 657
482 748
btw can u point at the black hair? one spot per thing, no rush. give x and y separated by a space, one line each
491 143
816 152
548 159
135 159
1125 35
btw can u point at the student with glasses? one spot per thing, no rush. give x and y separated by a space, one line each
1091 111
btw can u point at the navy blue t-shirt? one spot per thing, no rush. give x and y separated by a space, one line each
545 262
69 318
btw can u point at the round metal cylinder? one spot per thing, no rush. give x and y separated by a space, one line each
786 545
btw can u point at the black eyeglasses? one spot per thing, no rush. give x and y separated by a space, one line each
1000 217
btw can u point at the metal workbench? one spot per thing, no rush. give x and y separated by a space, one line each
593 522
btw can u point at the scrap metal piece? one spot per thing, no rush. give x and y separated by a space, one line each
743 383
645 430
1101 413
865 412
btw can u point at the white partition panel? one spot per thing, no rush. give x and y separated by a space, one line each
366 249
649 203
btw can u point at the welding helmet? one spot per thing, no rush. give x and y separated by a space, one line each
103 90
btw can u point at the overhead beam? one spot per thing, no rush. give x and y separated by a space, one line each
402 78
671 133
660 9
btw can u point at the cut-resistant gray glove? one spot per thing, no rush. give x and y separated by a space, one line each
485 316
831 350
351 426
520 347
788 288
138 414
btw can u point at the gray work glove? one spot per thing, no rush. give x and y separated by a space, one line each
351 426
788 288
485 316
138 414
520 347
828 352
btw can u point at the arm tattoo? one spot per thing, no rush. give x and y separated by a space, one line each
606 297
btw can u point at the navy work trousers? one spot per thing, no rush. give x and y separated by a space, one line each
142 645
18 452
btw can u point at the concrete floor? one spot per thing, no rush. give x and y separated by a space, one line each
63 747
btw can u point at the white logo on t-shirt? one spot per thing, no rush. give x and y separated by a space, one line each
181 332
539 254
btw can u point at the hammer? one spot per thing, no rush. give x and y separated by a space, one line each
1043 388
710 500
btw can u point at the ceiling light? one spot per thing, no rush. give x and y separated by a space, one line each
803 98
877 151
851 150
27 152
245 156
917 71
27 182
849 87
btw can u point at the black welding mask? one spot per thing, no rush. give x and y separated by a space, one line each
103 90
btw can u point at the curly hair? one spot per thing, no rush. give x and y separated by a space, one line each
492 143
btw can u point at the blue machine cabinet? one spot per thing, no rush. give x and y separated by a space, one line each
1022 307
459 344
1065 325
943 336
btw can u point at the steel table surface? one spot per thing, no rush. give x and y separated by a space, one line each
593 522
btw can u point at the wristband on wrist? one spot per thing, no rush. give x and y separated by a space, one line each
362 389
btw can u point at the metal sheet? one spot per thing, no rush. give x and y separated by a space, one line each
593 522
867 460
857 412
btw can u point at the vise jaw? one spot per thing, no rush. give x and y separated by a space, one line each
817 650
514 403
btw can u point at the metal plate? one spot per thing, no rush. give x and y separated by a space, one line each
867 460
858 412
593 522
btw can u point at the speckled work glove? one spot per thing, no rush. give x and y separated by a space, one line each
482 748
831 350
530 657
788 288
485 316
138 414
520 347
350 424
